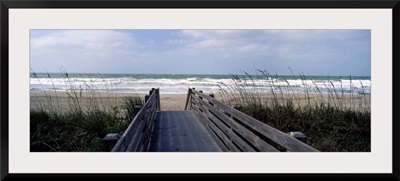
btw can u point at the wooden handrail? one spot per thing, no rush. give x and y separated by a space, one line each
137 135
236 131
188 99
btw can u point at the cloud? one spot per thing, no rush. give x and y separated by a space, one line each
281 44
254 49
221 43
91 43
224 34
227 50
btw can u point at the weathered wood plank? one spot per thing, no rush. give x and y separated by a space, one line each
135 141
196 110
217 140
255 140
291 144
181 131
130 131
147 132
119 145
218 128
229 132
222 136
188 99
136 120
141 123
221 140
140 134
247 134
215 128
148 119
234 137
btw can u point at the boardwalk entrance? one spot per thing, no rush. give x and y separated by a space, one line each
206 125
180 131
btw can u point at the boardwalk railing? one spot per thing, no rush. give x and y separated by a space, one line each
236 131
137 135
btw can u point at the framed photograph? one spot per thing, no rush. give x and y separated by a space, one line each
320 72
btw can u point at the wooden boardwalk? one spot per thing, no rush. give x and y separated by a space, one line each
180 131
206 125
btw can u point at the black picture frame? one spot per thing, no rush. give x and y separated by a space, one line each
394 5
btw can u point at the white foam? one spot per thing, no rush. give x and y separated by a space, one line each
180 86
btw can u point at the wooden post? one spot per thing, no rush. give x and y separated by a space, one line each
299 135
148 96
136 110
158 99
237 107
188 99
109 141
201 109
211 95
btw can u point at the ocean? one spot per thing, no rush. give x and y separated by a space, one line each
179 83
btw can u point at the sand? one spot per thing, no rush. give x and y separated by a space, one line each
167 101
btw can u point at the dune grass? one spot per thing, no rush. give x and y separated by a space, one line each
81 123
335 122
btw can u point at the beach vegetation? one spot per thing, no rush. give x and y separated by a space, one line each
80 123
337 121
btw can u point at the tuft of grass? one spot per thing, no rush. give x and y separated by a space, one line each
77 126
129 104
332 122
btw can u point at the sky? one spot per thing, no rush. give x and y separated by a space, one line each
310 52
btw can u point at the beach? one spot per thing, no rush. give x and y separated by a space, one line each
64 100
353 123
109 90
